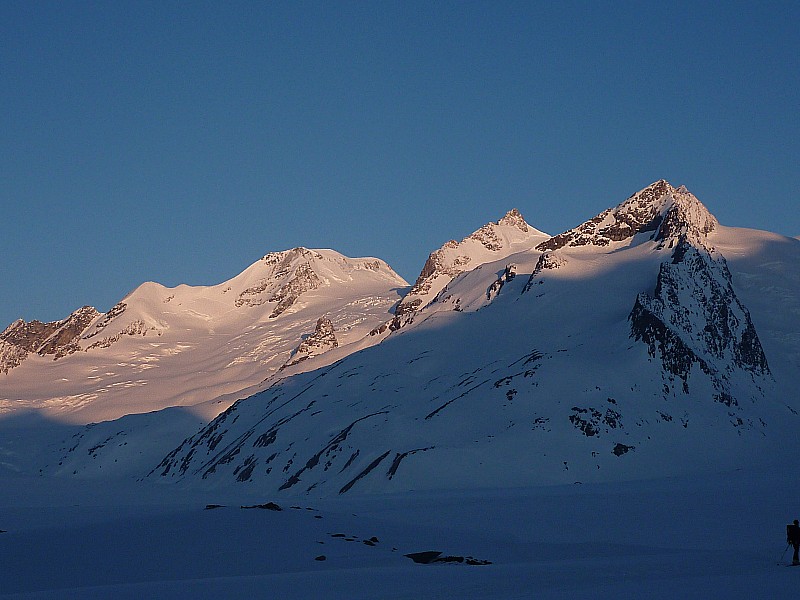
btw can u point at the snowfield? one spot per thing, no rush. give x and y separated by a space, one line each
713 537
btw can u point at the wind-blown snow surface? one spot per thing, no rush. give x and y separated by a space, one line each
711 537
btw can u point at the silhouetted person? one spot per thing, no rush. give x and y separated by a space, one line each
793 538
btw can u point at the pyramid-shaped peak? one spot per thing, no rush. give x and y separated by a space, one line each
671 212
509 230
513 218
685 216
654 192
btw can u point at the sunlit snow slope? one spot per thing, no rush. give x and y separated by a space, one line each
186 346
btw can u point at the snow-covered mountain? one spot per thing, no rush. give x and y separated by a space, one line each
649 340
195 346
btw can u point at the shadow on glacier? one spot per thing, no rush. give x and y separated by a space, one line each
35 444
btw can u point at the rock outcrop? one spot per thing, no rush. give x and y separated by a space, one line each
319 342
56 338
291 276
695 320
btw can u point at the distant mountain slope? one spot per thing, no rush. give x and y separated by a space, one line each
186 346
619 349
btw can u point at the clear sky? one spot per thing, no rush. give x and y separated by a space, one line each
180 141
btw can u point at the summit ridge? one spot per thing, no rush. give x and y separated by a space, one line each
236 334
659 210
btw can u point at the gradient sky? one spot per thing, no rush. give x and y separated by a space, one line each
180 141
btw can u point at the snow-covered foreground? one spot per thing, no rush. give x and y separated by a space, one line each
721 536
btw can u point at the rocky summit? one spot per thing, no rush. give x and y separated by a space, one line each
492 242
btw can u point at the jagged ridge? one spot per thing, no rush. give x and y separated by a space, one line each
659 208
57 338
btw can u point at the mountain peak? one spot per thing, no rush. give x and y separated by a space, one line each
659 208
289 256
513 218
685 216
283 276
493 241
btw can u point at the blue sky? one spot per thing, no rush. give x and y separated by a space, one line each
179 142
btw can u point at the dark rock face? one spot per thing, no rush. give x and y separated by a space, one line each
620 449
686 216
322 340
48 338
116 311
11 356
266 506
508 274
305 280
547 261
57 338
593 422
437 264
424 558
137 327
432 556
694 319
